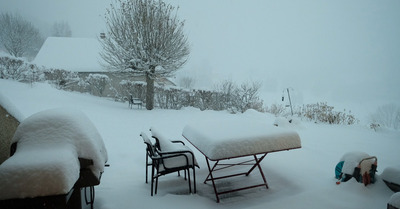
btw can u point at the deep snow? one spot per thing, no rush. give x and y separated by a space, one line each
49 144
302 178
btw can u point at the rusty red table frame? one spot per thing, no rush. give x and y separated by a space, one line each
254 163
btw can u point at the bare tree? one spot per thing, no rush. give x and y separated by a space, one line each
187 82
18 36
387 115
145 37
61 29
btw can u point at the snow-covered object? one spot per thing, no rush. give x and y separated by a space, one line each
222 139
49 144
395 200
391 175
351 160
167 146
7 104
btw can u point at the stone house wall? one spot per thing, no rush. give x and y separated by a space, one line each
8 126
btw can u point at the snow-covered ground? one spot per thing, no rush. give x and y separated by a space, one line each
302 178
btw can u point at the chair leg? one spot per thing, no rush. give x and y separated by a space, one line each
194 179
147 165
190 185
185 174
155 191
152 179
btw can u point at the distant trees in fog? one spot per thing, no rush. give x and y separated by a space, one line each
18 36
386 115
61 29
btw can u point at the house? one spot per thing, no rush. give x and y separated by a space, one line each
82 55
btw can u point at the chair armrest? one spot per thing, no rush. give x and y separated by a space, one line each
171 154
178 141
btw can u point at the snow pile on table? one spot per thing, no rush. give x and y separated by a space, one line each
222 139
395 200
49 144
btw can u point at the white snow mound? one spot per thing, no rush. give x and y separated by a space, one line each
49 144
391 174
222 139
395 200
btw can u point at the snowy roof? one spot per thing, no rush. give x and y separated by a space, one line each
74 54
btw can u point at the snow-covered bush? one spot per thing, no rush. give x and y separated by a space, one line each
205 101
11 68
226 96
322 112
247 97
170 98
276 109
229 96
19 70
127 88
62 79
387 116
97 83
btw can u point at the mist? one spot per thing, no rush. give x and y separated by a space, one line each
345 53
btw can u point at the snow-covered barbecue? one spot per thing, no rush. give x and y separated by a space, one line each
54 152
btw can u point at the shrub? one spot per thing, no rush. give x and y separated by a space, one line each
19 70
62 79
387 115
322 112
97 83
276 109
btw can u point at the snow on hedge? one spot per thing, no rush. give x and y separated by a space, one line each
221 139
49 144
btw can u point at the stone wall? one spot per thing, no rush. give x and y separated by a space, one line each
8 126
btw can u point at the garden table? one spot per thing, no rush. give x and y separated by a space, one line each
222 140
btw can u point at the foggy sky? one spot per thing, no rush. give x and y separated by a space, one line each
339 51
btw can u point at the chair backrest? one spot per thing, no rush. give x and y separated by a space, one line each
166 145
158 137
146 140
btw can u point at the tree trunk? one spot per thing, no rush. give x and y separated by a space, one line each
150 90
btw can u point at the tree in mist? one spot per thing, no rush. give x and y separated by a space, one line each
145 37
18 36
187 82
387 115
61 29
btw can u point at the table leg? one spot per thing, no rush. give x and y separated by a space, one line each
212 178
259 168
